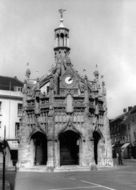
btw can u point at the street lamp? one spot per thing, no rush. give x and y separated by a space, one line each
3 145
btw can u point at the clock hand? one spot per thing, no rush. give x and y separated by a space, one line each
70 79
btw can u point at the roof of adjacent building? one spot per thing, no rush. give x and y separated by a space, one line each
133 110
120 117
123 117
9 83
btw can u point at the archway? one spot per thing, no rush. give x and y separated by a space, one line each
69 148
96 137
40 148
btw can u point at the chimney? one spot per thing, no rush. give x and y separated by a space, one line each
129 108
124 110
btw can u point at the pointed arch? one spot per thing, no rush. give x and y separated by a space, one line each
71 127
36 131
97 135
39 141
69 147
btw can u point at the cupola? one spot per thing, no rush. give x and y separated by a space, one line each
61 36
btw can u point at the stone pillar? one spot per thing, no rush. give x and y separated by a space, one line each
80 151
25 156
86 100
50 162
87 159
84 153
57 155
51 130
101 152
108 146
25 151
67 42
51 142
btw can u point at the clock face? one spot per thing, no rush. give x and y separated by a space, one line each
69 79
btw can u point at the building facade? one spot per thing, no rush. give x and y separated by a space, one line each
10 112
131 123
64 122
123 132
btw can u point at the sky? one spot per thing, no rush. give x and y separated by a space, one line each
102 32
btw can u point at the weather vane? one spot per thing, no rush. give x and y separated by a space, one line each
61 11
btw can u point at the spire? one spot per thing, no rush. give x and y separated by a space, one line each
96 78
96 73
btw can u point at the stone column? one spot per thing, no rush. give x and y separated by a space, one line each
108 147
84 151
80 151
56 150
86 100
51 142
51 130
50 162
24 152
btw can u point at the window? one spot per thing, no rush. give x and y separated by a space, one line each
47 89
17 128
18 88
19 110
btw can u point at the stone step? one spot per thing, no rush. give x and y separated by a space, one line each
59 169
71 168
34 169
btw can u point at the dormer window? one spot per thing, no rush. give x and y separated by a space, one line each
45 88
18 88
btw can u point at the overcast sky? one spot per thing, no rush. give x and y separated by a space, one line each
102 32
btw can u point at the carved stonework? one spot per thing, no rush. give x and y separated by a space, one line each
65 116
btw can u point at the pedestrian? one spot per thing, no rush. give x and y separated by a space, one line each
114 156
119 156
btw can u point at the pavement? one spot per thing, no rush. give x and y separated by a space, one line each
117 178
9 179
7 185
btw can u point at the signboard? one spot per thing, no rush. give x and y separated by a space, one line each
13 144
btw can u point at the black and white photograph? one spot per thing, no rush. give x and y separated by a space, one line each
67 94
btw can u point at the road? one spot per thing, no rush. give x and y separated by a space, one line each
120 178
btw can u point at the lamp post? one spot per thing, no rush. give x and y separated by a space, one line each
3 145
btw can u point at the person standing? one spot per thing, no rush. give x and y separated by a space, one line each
114 155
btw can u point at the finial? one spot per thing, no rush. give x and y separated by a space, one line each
37 75
102 76
84 70
28 72
96 72
61 11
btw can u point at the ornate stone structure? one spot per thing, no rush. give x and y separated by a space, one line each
64 123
